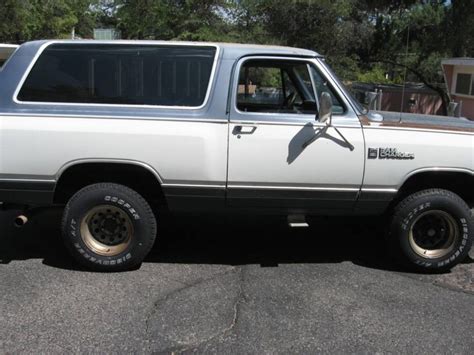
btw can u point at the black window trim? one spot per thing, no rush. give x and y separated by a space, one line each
125 43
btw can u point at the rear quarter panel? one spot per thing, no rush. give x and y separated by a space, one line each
41 146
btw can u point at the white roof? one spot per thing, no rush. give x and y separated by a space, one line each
6 50
458 61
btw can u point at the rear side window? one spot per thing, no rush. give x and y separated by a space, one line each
120 74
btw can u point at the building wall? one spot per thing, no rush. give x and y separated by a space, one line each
425 103
448 76
467 109
106 34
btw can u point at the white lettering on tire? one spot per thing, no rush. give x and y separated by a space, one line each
406 221
123 204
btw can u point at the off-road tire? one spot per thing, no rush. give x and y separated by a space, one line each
412 216
123 209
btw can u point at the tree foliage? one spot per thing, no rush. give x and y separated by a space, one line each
379 40
24 20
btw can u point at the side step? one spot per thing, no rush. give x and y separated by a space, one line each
297 221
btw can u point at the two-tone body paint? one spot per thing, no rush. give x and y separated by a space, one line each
198 154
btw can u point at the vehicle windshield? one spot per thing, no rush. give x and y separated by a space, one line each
353 100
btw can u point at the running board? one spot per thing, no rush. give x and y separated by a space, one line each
297 221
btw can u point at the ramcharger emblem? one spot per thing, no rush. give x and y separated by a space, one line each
388 153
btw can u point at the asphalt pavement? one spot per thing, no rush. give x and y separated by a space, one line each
231 285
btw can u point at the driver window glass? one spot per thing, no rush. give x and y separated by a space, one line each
275 86
322 86
303 73
289 89
259 86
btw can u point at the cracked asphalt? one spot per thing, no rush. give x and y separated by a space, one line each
231 285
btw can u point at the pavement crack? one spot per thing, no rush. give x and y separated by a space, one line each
160 300
237 303
236 307
439 281
239 299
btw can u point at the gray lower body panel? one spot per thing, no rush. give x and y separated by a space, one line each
204 199
373 202
277 201
292 201
189 198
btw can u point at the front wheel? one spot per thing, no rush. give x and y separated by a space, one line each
108 227
431 230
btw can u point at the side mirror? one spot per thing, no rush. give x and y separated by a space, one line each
325 108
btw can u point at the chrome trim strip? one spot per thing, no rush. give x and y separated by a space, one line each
297 188
195 186
210 84
388 190
27 180
118 117
263 187
214 186
415 129
292 122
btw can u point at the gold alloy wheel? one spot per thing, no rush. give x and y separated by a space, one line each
106 230
433 234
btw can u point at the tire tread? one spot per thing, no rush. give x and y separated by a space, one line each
150 216
400 209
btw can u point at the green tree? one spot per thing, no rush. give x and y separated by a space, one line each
195 20
85 11
413 40
246 21
23 20
55 18
17 20
144 19
362 39
459 28
333 28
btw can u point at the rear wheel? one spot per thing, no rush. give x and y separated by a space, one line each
431 230
108 227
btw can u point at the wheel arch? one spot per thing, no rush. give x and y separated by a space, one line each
457 180
137 175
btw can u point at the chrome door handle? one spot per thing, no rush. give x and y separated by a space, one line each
244 129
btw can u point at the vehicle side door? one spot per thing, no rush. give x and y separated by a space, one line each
280 157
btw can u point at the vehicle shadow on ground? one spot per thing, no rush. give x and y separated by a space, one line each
226 240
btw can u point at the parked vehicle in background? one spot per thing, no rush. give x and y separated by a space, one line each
115 131
6 51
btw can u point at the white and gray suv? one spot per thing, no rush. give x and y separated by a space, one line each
114 130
